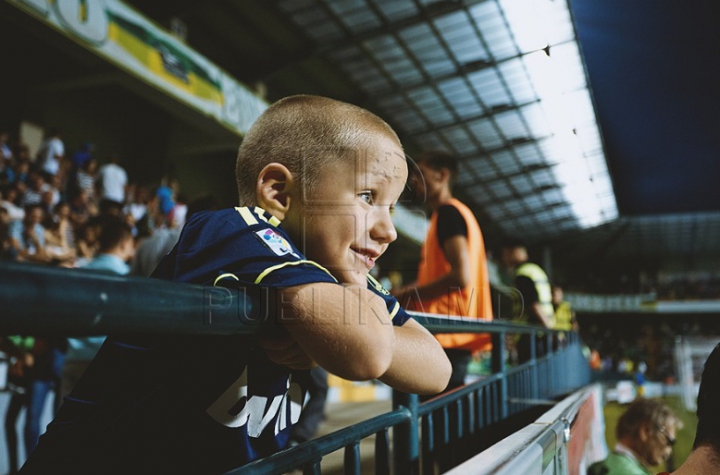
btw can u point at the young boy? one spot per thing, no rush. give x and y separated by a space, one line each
330 173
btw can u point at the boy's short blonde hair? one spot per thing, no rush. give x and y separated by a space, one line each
304 133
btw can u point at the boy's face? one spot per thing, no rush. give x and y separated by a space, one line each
344 224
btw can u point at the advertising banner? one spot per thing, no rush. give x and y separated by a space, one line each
126 38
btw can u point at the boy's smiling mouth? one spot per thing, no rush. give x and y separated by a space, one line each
367 256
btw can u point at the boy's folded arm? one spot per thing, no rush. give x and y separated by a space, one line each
345 329
419 363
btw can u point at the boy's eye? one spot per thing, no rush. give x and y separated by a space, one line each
367 196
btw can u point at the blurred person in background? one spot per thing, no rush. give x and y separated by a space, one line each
564 314
27 237
37 186
452 276
19 350
705 457
9 202
645 435
116 248
85 181
152 249
535 303
111 182
51 153
59 235
6 154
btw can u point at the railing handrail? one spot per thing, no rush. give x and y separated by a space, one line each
320 446
42 300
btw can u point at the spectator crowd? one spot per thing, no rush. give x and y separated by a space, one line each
69 210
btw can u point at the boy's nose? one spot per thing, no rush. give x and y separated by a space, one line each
383 229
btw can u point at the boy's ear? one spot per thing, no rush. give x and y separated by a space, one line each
275 186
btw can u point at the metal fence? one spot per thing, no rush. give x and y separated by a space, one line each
444 431
441 432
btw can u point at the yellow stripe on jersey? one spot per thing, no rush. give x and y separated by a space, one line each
246 215
378 286
395 310
267 271
221 277
261 214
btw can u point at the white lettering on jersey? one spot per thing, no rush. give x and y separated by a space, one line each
224 409
234 408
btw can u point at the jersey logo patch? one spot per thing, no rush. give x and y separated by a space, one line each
276 243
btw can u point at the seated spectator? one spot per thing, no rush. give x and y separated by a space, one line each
645 434
80 209
705 457
37 187
21 176
137 207
6 250
87 242
27 237
6 154
176 218
85 179
59 236
8 201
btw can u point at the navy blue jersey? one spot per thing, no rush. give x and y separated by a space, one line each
191 404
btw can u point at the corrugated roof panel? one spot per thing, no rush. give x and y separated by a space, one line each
488 87
486 133
395 10
536 120
460 36
505 161
483 168
360 21
494 30
512 125
515 76
522 184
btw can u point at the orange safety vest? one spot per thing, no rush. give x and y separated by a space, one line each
473 300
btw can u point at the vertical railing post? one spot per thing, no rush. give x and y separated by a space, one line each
535 392
498 367
551 364
406 447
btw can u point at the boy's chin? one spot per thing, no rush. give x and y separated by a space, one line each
351 278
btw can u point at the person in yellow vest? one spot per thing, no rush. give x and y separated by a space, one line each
564 314
452 275
535 303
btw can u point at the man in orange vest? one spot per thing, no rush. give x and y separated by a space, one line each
453 276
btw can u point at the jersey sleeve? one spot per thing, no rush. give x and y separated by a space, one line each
247 245
398 314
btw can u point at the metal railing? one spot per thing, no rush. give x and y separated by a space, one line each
445 430
450 428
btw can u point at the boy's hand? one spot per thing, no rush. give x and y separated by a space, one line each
285 351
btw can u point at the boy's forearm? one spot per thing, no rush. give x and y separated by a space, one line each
419 364
346 330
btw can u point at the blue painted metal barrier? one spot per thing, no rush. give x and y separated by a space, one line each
445 430
448 429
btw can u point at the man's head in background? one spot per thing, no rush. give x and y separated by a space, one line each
648 429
